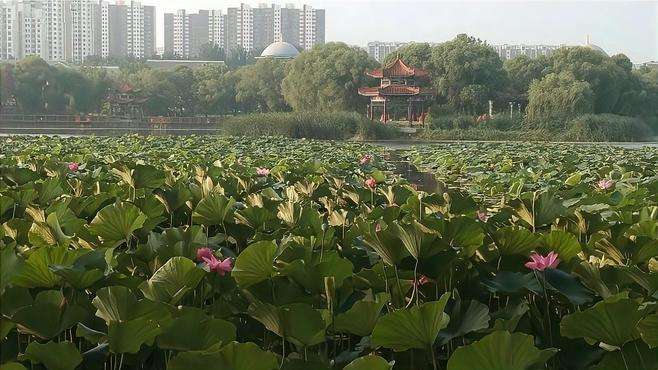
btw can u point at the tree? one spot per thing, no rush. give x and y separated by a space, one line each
415 54
559 96
183 80
211 51
7 82
215 89
259 86
465 61
159 91
37 87
608 79
521 72
327 78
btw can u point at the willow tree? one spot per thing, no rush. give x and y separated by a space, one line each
326 78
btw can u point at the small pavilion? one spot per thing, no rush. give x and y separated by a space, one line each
399 93
126 102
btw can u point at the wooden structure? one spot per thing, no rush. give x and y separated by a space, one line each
399 88
126 102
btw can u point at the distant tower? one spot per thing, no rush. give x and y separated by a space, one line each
587 41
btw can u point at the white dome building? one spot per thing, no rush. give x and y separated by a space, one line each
594 47
280 50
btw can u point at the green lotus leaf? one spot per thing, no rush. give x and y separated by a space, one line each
568 285
515 240
255 264
462 234
10 266
633 356
234 356
370 362
298 323
500 350
89 334
215 209
48 232
116 222
12 366
613 321
49 189
147 176
115 303
129 336
180 241
362 317
36 272
193 330
474 317
172 280
512 283
54 356
49 315
415 327
85 271
561 242
541 212
648 328
384 243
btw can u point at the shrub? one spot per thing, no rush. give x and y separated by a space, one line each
316 125
502 122
453 121
607 127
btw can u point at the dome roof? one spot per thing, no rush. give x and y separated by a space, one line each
596 48
280 50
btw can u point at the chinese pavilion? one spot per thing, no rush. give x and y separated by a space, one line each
398 89
126 102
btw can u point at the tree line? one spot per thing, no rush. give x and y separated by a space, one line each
465 72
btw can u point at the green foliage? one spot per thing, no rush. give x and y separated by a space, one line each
326 78
100 266
559 95
500 350
607 127
318 125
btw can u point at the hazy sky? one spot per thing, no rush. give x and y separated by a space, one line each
629 27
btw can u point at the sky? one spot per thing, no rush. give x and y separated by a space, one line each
618 26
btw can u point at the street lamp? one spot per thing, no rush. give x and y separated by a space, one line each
511 109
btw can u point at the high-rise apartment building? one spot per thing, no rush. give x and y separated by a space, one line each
149 31
187 33
127 29
311 27
507 52
7 34
379 50
249 28
84 22
72 30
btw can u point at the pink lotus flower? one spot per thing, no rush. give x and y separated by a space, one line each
541 263
422 280
366 159
262 171
605 184
482 216
213 263
378 227
203 253
225 266
371 183
73 166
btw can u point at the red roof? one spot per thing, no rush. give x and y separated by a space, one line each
397 68
394 90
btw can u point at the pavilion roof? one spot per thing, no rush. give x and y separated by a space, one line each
397 68
394 90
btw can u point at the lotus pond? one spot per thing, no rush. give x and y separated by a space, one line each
262 254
